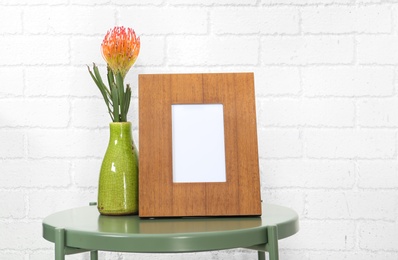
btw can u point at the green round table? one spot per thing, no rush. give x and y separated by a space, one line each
84 229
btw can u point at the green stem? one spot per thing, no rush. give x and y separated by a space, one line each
111 78
120 86
115 99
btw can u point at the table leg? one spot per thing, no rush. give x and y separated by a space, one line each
261 255
272 233
94 255
59 244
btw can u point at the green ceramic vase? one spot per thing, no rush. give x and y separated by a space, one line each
118 181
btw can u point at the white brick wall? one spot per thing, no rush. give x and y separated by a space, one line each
327 101
307 50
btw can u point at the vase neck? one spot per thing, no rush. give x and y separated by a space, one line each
120 131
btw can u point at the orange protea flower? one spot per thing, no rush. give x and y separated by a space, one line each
120 49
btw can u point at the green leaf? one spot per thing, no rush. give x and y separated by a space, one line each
103 86
92 75
97 75
102 89
111 77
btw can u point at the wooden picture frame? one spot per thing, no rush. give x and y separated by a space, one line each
159 196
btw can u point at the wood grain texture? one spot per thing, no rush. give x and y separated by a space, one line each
188 199
155 185
224 197
159 196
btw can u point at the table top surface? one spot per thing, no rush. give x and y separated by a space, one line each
85 228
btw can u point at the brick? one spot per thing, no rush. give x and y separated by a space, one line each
152 52
12 144
12 255
213 2
366 19
135 138
89 2
13 203
33 2
361 255
68 20
350 144
347 81
133 2
173 20
22 235
351 205
322 235
132 116
198 50
10 20
293 199
67 143
86 50
86 172
132 78
377 113
277 81
14 75
61 82
378 235
394 11
90 113
306 112
306 50
39 255
33 50
34 174
43 203
308 174
35 112
380 49
304 2
280 144
255 20
292 254
378 174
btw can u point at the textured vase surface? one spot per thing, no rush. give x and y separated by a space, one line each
118 181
